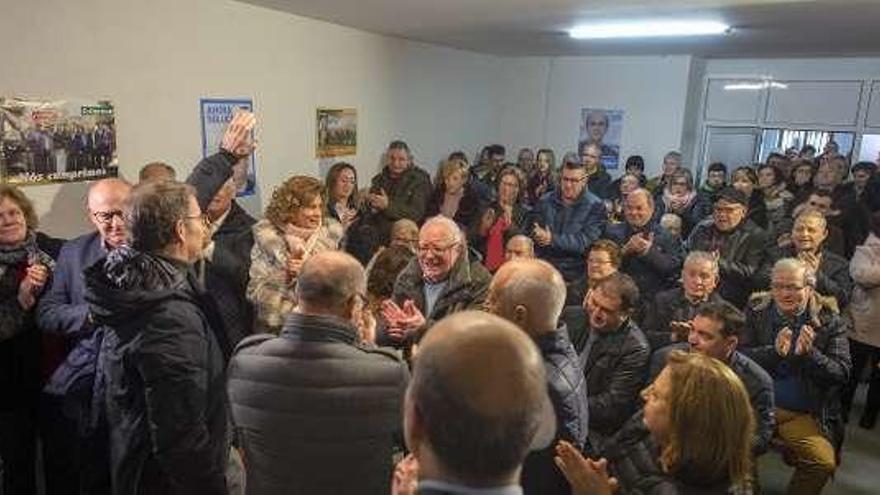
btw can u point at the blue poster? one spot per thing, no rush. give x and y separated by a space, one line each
215 115
603 128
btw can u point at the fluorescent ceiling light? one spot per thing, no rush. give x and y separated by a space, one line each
647 29
755 85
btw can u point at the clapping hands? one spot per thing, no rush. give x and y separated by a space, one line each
401 322
586 476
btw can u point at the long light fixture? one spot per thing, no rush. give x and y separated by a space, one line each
647 29
755 85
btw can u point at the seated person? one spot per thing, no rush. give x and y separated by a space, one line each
672 223
801 341
665 318
404 234
530 293
714 331
679 197
615 356
739 245
519 247
690 449
808 244
650 256
603 260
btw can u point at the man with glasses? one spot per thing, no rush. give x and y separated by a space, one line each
320 397
72 452
739 245
567 221
799 338
439 281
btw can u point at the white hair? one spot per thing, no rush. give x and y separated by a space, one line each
447 223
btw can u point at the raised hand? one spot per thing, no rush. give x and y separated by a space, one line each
414 318
541 235
406 476
237 138
679 330
379 200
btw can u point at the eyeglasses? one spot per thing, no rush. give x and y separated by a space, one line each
787 287
106 217
206 222
435 250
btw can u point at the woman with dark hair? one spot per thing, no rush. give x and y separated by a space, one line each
291 232
24 270
680 197
801 181
777 198
746 181
700 422
543 178
501 220
454 194
635 165
342 194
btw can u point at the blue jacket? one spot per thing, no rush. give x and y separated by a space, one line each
657 269
574 228
63 310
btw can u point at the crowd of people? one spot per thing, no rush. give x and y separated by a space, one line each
504 328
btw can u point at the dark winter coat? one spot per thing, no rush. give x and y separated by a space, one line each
668 306
655 270
573 227
164 372
314 400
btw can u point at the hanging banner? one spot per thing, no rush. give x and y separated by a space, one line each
215 115
43 141
603 128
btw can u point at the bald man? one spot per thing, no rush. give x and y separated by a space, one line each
63 312
476 405
650 255
531 294
317 408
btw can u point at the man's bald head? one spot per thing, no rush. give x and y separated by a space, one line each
478 397
105 201
328 283
530 293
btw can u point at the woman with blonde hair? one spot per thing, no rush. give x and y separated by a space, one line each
291 232
454 194
701 428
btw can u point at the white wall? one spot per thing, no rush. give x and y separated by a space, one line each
541 100
155 59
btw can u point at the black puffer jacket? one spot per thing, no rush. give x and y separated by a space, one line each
163 372
742 254
568 393
316 411
824 371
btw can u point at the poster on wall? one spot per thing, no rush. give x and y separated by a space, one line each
602 127
336 132
43 141
215 115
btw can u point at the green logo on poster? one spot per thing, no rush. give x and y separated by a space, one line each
97 110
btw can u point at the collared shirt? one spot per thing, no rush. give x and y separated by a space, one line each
432 295
445 487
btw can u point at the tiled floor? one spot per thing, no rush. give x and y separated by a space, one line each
858 474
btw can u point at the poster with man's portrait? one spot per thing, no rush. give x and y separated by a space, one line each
44 140
603 128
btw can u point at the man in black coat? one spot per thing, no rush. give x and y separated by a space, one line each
401 190
650 255
226 261
531 294
320 396
163 368
615 357
739 244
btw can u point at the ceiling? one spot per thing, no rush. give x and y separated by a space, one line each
762 28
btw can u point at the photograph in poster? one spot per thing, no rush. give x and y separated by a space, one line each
603 128
336 132
43 141
215 115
